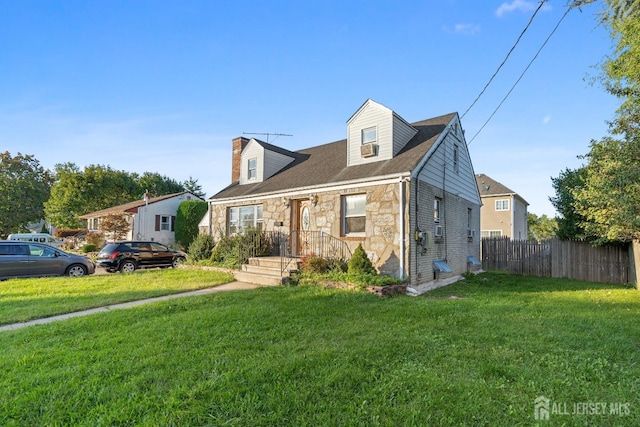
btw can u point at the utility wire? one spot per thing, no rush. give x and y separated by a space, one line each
521 75
505 58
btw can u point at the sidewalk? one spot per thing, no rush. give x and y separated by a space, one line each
232 286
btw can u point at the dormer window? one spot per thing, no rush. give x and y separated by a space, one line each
252 168
369 135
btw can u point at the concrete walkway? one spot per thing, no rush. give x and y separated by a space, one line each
232 286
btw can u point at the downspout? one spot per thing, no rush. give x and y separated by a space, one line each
513 218
402 227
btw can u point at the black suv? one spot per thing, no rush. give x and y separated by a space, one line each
129 256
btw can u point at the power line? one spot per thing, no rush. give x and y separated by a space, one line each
521 75
505 59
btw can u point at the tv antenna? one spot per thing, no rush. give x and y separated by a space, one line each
268 134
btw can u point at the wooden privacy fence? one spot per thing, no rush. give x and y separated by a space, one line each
557 258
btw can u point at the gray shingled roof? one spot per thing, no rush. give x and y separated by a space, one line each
327 164
128 207
490 187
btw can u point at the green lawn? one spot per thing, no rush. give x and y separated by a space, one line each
27 299
475 353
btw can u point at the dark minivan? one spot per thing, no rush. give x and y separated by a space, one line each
129 256
26 259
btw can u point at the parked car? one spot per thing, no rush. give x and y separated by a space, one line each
36 237
26 259
129 256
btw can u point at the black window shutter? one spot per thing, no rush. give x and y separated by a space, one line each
157 222
173 223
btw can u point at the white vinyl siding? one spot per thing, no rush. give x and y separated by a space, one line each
462 183
402 133
371 115
268 163
273 163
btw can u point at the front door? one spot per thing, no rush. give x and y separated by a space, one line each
300 227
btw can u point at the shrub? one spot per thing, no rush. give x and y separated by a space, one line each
314 264
88 248
95 238
201 247
188 216
360 262
226 252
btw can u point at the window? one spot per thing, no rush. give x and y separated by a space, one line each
456 167
502 205
252 168
94 223
491 233
243 218
469 218
369 135
436 210
354 214
165 223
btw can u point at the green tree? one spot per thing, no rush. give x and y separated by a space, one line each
360 262
189 214
76 192
24 187
541 228
609 200
570 222
193 186
156 185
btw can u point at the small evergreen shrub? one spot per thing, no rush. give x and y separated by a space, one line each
360 263
88 248
201 247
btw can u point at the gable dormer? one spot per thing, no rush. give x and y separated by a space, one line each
376 133
260 161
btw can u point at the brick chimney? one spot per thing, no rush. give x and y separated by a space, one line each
238 145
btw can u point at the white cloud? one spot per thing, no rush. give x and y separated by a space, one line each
466 29
518 5
546 119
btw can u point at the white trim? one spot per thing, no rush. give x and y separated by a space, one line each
304 191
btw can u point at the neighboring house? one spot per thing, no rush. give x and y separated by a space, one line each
406 192
149 219
503 212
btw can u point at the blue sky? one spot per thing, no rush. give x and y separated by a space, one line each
163 86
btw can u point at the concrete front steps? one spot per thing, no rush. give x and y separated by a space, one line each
266 271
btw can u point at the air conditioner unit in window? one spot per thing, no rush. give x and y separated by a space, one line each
368 150
438 231
471 232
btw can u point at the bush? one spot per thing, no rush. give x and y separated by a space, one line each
188 216
226 252
360 263
88 248
95 238
201 247
314 264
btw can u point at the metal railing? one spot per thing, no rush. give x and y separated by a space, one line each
256 243
300 243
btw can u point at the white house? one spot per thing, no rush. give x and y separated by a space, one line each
152 218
